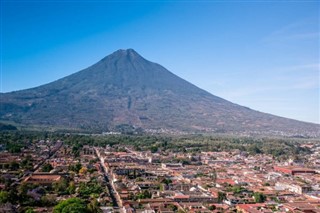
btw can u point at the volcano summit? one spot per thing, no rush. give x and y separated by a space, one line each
126 89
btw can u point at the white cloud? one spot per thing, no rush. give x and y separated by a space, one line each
302 30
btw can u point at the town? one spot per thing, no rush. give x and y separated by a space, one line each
57 174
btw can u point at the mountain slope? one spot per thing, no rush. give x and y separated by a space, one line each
125 88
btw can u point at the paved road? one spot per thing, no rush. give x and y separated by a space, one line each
52 154
113 193
35 169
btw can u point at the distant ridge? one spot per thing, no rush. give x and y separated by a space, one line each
124 90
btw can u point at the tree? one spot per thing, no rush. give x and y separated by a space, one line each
71 188
48 200
143 195
213 207
4 196
13 195
61 186
71 205
29 210
154 149
76 168
24 187
221 197
14 165
86 189
76 150
259 197
254 149
75 208
14 148
173 207
237 189
26 163
93 206
47 167
83 170
166 181
162 187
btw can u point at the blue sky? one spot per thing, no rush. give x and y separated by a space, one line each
260 54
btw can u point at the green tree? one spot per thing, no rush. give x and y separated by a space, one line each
76 168
48 200
153 149
166 181
14 165
14 147
93 206
237 189
24 187
61 186
13 195
29 210
75 208
46 167
4 196
213 207
143 195
26 163
259 197
173 207
76 150
86 189
254 149
71 205
162 187
221 197
71 188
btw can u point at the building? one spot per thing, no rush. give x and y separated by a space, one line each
42 179
293 187
293 170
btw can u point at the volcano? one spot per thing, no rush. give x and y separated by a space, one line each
126 90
